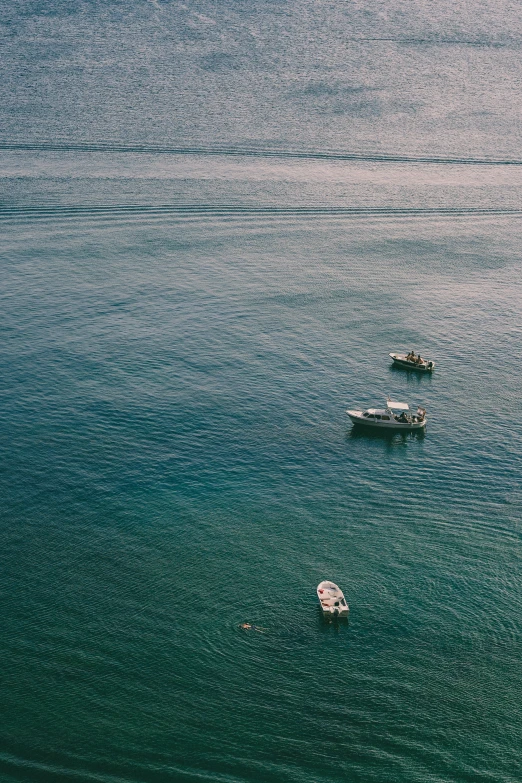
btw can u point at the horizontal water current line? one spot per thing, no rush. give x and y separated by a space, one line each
238 210
507 43
108 147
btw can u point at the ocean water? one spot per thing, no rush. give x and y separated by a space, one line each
216 222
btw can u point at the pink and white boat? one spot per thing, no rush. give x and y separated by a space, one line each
332 600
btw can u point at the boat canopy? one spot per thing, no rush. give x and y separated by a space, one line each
398 406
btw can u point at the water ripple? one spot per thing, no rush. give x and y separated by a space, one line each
148 149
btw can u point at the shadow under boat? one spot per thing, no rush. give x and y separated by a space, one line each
360 432
331 623
411 374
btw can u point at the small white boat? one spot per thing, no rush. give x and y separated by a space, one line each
408 363
389 418
332 600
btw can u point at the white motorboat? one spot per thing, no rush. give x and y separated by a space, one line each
332 600
409 362
396 416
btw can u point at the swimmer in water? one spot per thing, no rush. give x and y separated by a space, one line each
250 627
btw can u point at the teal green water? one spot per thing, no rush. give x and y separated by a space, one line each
184 327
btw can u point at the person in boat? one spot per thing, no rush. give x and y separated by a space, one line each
411 356
403 417
418 360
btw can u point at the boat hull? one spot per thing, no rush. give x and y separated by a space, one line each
397 426
399 361
332 600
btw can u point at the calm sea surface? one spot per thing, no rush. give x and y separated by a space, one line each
216 222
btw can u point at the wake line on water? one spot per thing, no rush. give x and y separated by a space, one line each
478 42
10 213
238 152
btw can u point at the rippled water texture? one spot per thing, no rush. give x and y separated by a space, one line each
215 225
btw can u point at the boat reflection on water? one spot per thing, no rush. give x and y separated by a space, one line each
390 437
331 624
411 377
